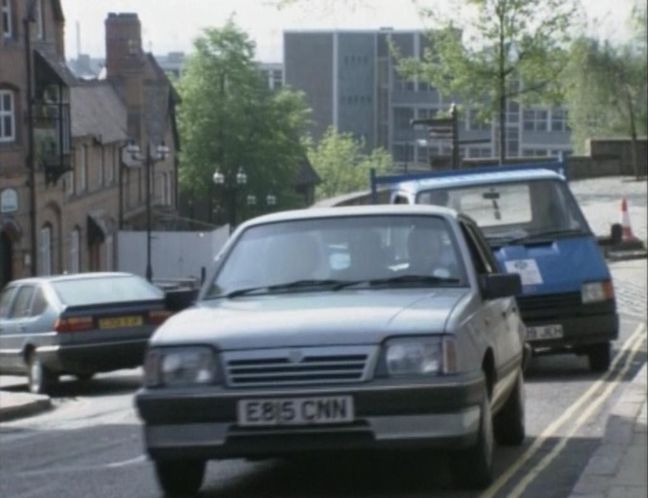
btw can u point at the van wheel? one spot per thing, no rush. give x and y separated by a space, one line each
41 378
600 356
473 467
180 477
509 426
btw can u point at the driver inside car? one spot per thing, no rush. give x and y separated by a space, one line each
427 255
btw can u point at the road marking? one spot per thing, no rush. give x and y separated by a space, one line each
124 463
566 416
555 451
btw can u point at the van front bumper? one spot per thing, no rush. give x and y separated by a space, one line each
201 422
582 324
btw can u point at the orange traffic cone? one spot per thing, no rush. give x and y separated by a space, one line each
625 222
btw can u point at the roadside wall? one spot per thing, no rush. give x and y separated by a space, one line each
174 255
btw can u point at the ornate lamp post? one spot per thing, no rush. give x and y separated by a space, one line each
153 155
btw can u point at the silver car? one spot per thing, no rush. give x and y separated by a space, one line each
364 328
76 324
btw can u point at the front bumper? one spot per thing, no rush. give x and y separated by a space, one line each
582 325
201 423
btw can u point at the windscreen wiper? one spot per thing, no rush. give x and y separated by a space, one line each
288 285
401 279
549 234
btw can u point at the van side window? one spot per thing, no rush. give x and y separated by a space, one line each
22 304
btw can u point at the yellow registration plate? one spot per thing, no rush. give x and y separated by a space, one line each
119 322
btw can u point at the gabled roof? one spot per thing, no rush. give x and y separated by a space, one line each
98 111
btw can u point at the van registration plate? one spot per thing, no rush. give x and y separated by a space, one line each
542 332
295 411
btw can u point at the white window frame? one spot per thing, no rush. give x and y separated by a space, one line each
75 250
45 250
40 24
7 21
4 113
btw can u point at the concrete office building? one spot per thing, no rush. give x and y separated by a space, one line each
350 81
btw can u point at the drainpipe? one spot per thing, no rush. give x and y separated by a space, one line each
31 163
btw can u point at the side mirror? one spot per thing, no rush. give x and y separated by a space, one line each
498 285
179 299
616 233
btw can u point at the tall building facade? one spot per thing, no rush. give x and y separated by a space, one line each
351 81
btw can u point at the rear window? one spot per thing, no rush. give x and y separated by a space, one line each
88 291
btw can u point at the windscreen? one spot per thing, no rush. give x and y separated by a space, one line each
103 290
514 210
341 249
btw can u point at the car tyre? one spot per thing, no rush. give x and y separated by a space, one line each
600 356
473 467
509 425
180 477
40 377
85 377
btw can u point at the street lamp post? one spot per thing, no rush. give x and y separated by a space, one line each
230 186
153 155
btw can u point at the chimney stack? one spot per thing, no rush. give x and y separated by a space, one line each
123 44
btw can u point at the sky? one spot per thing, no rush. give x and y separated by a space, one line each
172 25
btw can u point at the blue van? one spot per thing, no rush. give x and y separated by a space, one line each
535 228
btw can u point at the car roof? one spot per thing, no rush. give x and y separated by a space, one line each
69 277
469 179
351 211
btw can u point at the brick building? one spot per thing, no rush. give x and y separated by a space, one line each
66 184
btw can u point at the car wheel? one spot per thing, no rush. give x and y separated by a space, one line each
180 477
473 467
85 377
508 424
600 356
40 377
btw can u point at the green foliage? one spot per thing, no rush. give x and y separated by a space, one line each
605 88
228 119
486 52
342 164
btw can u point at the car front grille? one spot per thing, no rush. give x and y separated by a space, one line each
558 306
298 366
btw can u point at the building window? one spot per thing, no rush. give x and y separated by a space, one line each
102 169
535 119
69 183
474 124
40 25
7 116
82 170
402 118
75 251
558 119
45 250
7 25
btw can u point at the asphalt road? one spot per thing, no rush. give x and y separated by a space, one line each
90 445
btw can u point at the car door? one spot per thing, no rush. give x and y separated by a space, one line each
501 338
16 331
7 353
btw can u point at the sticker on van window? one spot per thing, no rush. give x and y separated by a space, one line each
527 269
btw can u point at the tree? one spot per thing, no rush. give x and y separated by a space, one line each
499 50
229 119
606 90
342 164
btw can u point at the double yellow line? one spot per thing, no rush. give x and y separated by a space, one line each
610 380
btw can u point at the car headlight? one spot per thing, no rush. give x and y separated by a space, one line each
179 366
420 356
593 292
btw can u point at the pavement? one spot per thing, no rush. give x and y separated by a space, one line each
15 405
617 469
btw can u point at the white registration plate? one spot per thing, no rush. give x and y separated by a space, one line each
295 411
544 332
